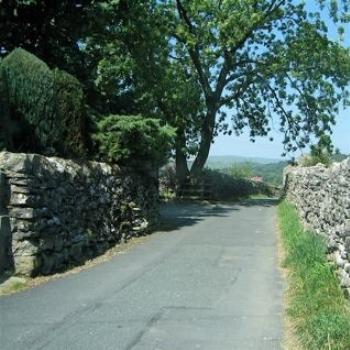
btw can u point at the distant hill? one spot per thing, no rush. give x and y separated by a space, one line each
271 173
220 162
269 169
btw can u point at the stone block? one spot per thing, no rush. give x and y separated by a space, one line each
48 263
4 194
21 225
28 213
347 244
5 244
346 231
59 243
19 163
347 267
25 248
47 243
76 252
26 265
24 200
22 189
345 280
60 261
23 235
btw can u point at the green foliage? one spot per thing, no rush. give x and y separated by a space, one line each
262 60
46 107
317 305
321 153
314 159
240 170
134 139
48 29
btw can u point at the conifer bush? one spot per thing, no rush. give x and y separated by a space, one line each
134 139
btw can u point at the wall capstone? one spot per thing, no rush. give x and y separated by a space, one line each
322 197
63 212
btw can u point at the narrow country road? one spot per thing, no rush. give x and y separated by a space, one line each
209 281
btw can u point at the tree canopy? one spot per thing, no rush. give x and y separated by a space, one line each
225 66
52 30
205 66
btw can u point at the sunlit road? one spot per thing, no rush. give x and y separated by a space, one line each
210 281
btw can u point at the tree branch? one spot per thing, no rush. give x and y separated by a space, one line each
194 53
270 10
228 64
280 106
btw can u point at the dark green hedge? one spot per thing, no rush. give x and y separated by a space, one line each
4 112
48 102
69 107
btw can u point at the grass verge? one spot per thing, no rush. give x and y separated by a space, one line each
316 304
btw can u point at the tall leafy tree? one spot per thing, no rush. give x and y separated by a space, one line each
228 66
260 60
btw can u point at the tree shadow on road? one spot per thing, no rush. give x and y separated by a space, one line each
261 202
175 215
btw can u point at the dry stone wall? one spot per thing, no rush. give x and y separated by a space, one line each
5 230
56 212
322 197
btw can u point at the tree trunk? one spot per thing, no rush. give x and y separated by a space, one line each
182 171
204 146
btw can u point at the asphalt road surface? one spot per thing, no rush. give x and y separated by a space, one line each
209 281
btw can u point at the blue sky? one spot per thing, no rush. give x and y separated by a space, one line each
240 145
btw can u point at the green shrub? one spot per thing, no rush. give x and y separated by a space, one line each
50 103
320 153
314 159
134 139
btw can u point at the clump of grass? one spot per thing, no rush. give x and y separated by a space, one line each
316 303
13 285
18 286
